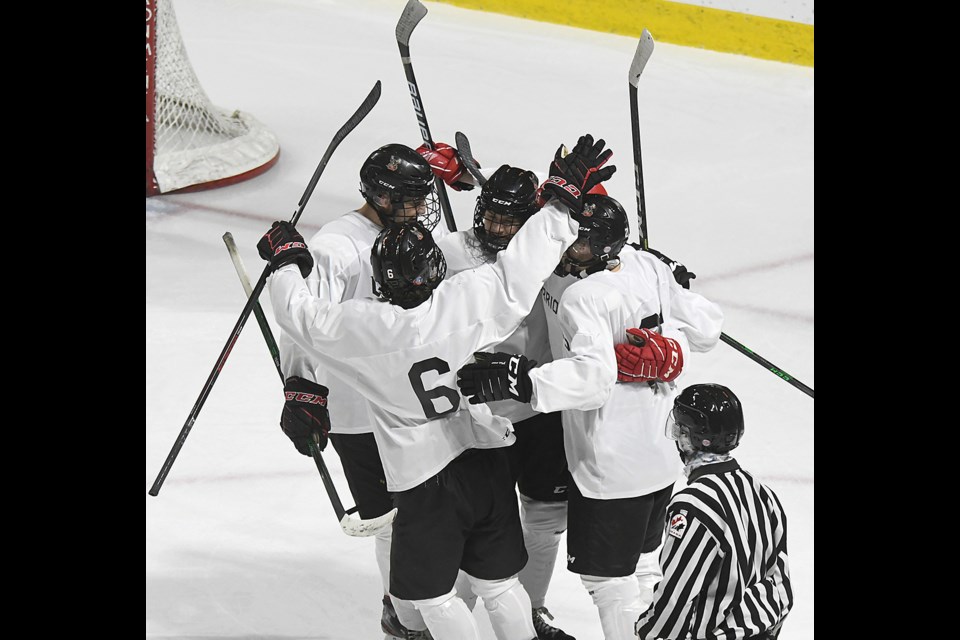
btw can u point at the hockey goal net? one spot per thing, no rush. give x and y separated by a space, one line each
191 143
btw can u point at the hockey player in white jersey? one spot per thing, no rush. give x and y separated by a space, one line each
537 461
397 186
623 467
444 459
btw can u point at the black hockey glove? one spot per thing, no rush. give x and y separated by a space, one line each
283 244
575 174
305 416
680 273
496 376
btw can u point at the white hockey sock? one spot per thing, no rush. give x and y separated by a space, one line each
543 522
465 590
618 601
448 618
648 575
508 606
408 615
381 548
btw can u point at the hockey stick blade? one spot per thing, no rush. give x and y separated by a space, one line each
252 300
363 528
640 58
644 51
412 14
351 526
466 154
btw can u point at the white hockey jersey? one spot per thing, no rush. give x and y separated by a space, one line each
405 361
341 271
462 252
614 433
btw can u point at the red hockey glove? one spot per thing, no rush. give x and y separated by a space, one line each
648 357
446 165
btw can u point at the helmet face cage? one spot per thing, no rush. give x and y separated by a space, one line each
494 230
505 202
407 208
407 265
398 183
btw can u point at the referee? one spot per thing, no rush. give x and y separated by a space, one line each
724 560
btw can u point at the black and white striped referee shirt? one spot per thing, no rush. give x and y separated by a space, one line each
724 560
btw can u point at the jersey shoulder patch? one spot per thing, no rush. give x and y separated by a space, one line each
678 525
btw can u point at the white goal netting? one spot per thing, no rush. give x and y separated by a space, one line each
195 144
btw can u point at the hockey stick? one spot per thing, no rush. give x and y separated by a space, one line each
354 120
466 154
412 14
351 526
257 309
640 58
772 368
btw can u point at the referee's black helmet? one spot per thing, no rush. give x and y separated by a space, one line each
706 417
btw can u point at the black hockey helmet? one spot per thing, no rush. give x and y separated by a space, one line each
395 176
603 232
505 202
407 264
706 417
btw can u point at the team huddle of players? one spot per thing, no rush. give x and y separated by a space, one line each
535 353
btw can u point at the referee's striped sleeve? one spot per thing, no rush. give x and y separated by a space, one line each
686 564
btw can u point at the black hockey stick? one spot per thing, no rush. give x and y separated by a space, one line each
466 154
644 51
640 58
412 14
354 120
351 526
257 309
777 371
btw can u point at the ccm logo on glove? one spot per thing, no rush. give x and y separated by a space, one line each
513 369
305 398
288 246
560 182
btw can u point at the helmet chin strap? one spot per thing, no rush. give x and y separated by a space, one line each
386 219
